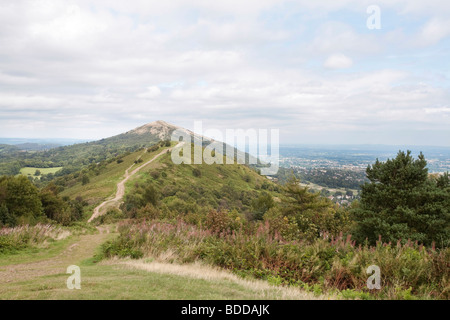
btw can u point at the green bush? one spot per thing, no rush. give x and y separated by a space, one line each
196 172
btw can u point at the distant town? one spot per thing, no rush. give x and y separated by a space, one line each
338 173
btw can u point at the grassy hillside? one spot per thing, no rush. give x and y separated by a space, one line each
195 188
182 188
103 178
76 156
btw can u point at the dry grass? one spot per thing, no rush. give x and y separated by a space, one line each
35 234
197 270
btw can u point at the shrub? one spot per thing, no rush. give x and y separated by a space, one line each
262 204
196 172
85 180
221 222
19 201
326 264
155 174
112 215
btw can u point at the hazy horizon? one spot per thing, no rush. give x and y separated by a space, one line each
69 141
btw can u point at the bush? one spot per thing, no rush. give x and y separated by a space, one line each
196 172
220 222
111 216
155 174
19 202
262 204
153 148
85 180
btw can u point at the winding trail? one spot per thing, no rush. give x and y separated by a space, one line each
121 185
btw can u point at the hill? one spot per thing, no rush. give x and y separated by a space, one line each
180 188
74 157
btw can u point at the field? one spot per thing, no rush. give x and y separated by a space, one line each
30 171
316 187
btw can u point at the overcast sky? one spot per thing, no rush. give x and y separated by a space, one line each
313 69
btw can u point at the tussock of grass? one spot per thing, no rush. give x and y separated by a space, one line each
197 270
17 238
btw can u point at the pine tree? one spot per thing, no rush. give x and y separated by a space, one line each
313 213
402 202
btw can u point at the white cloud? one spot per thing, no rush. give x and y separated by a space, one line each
434 31
92 69
338 61
151 93
437 110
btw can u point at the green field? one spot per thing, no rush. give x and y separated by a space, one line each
318 188
30 171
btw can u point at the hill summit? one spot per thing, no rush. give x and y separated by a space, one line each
160 129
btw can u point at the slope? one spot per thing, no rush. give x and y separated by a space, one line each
181 188
74 157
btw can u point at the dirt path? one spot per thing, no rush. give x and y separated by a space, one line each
82 249
121 185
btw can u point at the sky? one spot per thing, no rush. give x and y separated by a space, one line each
312 69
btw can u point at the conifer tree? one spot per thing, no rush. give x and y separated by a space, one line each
402 202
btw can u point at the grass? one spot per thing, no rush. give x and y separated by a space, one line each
104 185
33 254
30 171
327 266
257 288
41 274
179 188
210 174
213 177
318 188
119 283
40 246
13 240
